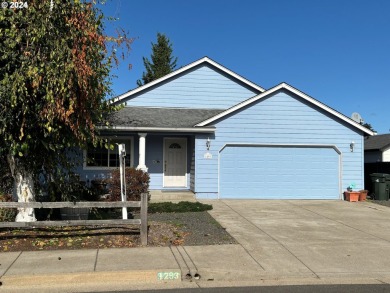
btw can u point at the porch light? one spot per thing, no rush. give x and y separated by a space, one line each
208 143
351 146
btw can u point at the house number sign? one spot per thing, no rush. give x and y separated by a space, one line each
168 276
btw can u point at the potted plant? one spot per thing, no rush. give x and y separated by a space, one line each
363 195
351 195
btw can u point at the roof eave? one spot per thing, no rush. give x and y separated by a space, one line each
385 148
159 129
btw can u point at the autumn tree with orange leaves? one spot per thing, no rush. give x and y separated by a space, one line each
55 62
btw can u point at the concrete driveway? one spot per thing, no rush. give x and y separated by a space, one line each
312 238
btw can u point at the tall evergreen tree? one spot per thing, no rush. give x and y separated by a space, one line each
162 61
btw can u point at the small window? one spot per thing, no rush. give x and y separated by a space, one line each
102 157
175 146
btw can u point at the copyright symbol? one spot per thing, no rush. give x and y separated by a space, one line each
4 5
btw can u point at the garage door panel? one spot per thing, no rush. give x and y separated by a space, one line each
279 172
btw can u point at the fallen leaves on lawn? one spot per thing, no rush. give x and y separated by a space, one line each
52 238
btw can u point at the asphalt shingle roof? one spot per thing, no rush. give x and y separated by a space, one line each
377 142
160 117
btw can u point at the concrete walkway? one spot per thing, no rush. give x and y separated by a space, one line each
280 242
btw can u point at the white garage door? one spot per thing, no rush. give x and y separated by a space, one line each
284 172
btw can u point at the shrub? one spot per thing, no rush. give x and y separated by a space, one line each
6 186
6 180
66 187
7 214
137 182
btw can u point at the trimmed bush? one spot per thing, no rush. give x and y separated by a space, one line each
137 182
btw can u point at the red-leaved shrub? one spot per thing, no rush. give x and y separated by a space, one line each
137 182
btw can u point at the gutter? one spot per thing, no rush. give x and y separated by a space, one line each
159 129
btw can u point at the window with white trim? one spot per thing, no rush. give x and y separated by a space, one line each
101 157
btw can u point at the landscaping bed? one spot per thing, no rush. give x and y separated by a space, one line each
174 228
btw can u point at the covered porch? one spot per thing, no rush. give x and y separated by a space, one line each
162 142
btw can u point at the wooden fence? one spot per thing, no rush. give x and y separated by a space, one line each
142 222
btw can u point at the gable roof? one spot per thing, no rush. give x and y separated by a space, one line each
289 88
377 142
204 60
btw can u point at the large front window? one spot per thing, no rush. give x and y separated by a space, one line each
103 157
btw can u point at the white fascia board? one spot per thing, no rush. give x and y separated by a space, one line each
296 92
158 129
185 68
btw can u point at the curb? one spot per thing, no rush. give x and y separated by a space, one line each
90 278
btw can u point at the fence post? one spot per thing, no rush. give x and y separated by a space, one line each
144 219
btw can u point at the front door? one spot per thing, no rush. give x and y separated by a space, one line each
175 162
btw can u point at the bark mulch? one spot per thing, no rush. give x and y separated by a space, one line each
191 228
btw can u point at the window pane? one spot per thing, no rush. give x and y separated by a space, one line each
114 160
102 157
175 146
114 155
97 157
127 159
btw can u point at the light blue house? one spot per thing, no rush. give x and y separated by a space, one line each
206 129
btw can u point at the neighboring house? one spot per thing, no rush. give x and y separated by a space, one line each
376 157
377 149
206 129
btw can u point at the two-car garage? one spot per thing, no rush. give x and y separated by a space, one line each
279 171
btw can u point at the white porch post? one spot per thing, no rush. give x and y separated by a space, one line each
142 147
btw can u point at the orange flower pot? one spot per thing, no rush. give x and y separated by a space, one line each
363 195
351 195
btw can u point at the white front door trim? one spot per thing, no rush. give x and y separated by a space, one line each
184 143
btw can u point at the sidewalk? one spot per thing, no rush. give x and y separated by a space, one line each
144 268
109 269
102 269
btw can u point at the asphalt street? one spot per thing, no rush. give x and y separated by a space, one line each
372 288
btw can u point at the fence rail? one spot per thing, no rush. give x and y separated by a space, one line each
143 221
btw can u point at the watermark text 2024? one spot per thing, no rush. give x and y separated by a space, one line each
14 5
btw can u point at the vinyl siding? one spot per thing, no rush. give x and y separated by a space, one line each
202 87
282 118
386 155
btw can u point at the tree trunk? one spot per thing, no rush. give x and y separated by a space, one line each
23 190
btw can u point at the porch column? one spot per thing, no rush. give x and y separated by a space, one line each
142 144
